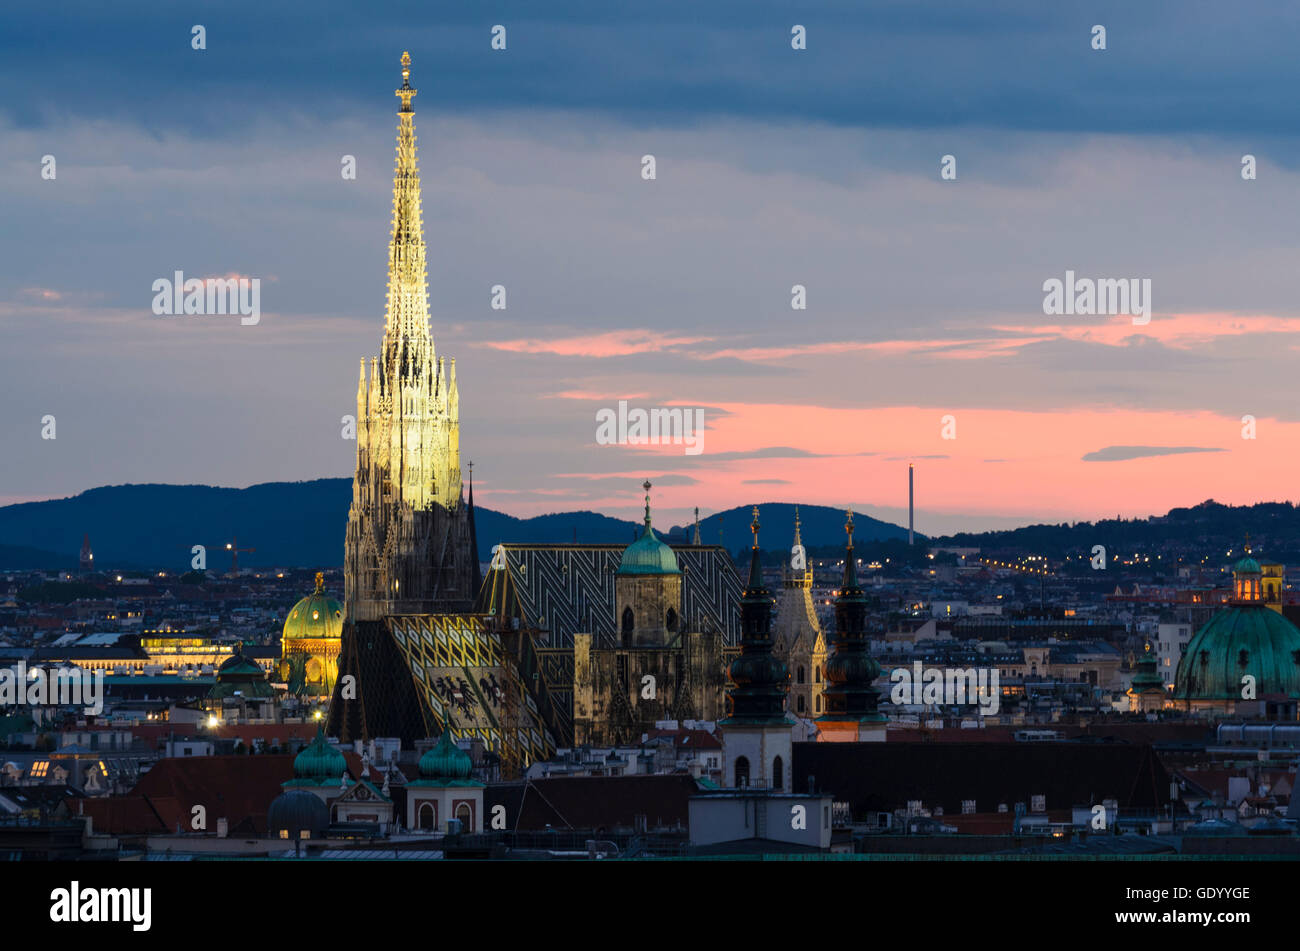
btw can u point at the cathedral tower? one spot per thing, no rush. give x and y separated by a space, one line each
408 547
797 636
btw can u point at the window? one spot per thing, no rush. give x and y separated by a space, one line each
671 620
819 703
817 674
800 676
778 774
742 772
801 705
426 818
629 622
463 813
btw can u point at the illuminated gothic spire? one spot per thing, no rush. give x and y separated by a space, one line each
407 343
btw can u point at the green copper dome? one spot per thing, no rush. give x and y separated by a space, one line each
648 555
1247 565
319 764
446 761
315 616
1247 638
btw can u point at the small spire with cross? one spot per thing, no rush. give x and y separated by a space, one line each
647 486
753 526
848 525
406 93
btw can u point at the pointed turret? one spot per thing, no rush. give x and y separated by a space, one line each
761 679
851 669
696 540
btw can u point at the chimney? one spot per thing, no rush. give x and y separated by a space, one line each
910 509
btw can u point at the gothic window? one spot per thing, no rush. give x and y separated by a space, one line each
801 705
800 675
742 772
819 703
671 620
778 774
817 673
629 622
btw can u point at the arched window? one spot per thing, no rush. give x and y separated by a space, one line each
800 676
742 772
671 620
817 673
465 815
778 774
426 817
819 703
801 704
629 622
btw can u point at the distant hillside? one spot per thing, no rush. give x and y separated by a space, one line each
820 526
1208 528
301 524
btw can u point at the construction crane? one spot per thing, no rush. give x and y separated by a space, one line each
232 546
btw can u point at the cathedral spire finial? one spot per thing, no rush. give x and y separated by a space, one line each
406 93
646 485
797 540
848 526
753 526
697 526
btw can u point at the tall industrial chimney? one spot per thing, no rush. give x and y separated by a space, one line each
910 500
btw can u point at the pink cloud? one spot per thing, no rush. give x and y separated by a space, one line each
614 343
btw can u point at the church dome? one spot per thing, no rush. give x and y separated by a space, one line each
315 616
1247 638
1247 565
446 760
648 555
319 762
296 811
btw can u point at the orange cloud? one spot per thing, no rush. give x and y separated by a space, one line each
614 343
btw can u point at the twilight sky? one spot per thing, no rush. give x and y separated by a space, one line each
775 167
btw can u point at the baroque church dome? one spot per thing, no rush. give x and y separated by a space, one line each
1247 637
315 616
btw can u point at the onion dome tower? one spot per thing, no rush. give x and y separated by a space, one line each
1246 639
850 696
319 766
648 589
756 734
445 790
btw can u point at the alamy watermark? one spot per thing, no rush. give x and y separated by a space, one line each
1104 296
42 687
210 295
949 686
660 426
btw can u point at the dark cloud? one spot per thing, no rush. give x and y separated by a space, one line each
1123 453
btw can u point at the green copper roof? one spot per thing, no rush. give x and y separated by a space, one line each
1244 639
320 764
1146 678
648 555
1247 565
446 764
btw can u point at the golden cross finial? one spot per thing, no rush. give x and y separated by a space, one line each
753 526
406 92
320 582
848 525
